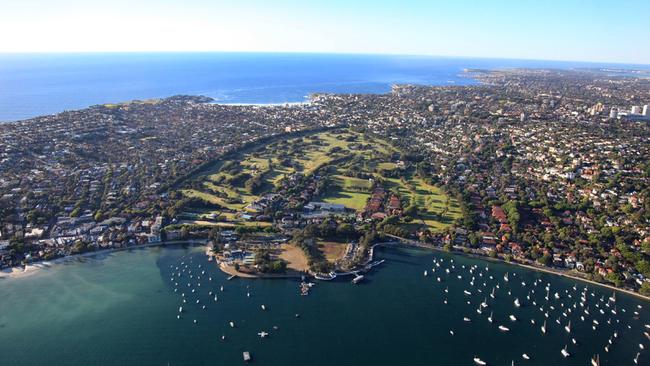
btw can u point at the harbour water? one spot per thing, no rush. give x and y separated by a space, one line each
121 308
39 84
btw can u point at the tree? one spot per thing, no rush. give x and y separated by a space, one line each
546 259
645 288
184 232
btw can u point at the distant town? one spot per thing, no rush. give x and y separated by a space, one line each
545 168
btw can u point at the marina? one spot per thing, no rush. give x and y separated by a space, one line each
269 319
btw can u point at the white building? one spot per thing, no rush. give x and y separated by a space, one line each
635 110
613 113
646 110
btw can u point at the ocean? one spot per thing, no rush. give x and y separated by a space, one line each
121 309
38 84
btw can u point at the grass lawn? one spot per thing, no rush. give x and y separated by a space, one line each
340 192
332 250
435 209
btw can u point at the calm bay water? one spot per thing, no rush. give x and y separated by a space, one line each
38 84
121 308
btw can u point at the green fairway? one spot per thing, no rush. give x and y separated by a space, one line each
351 162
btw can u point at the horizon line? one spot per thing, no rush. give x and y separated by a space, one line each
95 52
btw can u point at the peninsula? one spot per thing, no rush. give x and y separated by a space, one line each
542 167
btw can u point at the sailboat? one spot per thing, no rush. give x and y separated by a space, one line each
568 327
478 361
636 358
595 361
492 294
544 327
613 297
564 352
490 317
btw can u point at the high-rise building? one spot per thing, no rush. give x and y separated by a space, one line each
635 110
646 110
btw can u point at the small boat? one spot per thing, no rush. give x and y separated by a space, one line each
517 303
426 273
263 307
231 277
262 334
573 340
503 328
451 332
641 346
357 279
513 318
466 319
467 293
636 358
595 361
247 356
478 361
544 327
232 324
564 352
532 321
490 317
568 327
525 356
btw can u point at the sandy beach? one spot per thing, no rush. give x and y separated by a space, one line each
38 267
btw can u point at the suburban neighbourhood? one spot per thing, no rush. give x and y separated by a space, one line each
541 167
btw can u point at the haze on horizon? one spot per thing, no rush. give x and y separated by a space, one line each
595 31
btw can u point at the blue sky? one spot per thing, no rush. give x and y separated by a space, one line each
596 30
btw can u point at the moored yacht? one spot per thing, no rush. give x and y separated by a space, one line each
478 361
564 352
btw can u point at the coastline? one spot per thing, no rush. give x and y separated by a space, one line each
282 104
37 267
526 266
